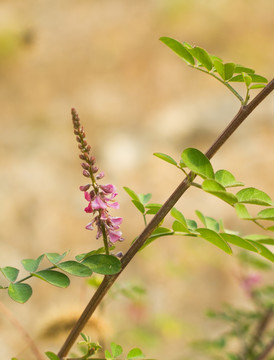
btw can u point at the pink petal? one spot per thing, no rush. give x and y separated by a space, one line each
114 205
87 196
116 221
88 209
114 236
89 226
98 203
108 188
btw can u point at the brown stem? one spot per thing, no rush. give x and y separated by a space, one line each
23 331
168 205
269 347
259 331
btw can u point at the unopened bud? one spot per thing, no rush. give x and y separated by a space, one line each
86 173
100 176
92 160
94 169
85 166
84 187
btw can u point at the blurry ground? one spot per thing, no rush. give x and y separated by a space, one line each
135 97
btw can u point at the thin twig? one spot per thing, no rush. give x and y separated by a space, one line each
23 331
269 347
108 281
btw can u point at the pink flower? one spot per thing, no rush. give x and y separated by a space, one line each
98 203
108 188
115 236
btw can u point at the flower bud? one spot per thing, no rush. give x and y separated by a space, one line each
85 166
92 160
86 173
100 176
84 187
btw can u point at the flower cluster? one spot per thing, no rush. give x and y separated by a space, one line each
99 197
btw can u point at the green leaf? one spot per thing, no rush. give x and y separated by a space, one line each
135 354
103 264
201 217
238 241
226 179
55 258
196 161
52 356
215 239
101 250
240 69
263 239
53 277
108 355
31 265
144 198
75 268
253 196
153 208
263 251
179 227
257 86
10 273
116 349
266 214
178 216
254 77
191 224
214 188
228 70
219 66
131 193
166 158
208 222
179 49
20 292
254 261
139 206
247 79
202 56
242 212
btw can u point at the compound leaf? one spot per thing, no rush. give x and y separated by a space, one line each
196 161
253 196
75 268
20 292
179 49
53 277
215 239
166 158
103 264
10 273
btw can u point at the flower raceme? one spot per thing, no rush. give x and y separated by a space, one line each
99 197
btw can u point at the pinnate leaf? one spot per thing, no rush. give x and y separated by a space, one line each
178 216
179 227
254 77
179 49
131 193
253 196
116 349
196 161
214 188
139 206
266 214
103 264
10 273
202 56
53 277
240 69
20 292
31 265
238 241
242 212
144 198
215 239
55 258
52 356
166 158
75 268
226 179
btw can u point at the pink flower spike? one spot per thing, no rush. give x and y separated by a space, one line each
98 203
114 236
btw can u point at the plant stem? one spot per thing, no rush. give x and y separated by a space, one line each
269 347
108 281
23 331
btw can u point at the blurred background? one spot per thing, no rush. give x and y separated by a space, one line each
134 97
